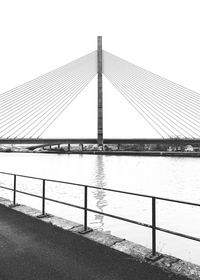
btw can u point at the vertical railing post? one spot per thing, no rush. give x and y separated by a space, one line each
153 226
14 189
43 197
85 209
85 227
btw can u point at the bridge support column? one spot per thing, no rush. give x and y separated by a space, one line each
100 93
68 147
58 146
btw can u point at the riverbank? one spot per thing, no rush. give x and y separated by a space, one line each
117 152
127 153
53 243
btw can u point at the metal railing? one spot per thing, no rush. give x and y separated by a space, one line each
153 225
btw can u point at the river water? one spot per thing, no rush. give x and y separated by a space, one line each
170 177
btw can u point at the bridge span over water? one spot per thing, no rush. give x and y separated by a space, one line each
171 110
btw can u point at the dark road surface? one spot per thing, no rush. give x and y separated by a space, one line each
31 249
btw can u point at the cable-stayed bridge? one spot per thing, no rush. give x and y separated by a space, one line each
29 110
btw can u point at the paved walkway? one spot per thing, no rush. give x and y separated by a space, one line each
31 249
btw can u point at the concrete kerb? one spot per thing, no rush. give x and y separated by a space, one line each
168 263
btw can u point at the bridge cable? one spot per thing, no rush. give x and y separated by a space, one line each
50 83
61 94
163 109
137 89
35 110
51 97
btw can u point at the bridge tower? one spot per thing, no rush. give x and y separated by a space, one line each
100 93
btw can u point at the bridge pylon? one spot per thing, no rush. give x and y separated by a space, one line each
100 93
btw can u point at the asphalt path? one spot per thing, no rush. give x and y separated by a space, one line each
31 249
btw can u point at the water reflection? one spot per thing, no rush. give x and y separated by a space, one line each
99 194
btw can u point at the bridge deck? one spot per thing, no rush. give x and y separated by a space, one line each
52 141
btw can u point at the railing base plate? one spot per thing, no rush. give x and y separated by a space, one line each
14 205
153 258
85 231
44 216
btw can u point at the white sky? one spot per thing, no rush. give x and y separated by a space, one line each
162 36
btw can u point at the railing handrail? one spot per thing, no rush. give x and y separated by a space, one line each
153 225
102 188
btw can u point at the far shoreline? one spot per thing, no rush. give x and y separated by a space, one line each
114 153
